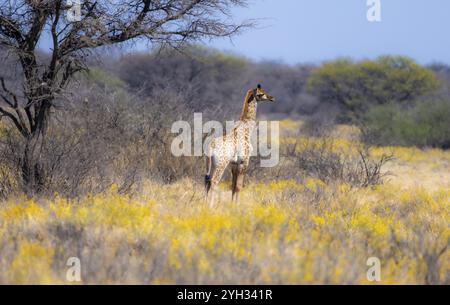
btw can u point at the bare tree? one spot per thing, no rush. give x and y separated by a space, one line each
24 23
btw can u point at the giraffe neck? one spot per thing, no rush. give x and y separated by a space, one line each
249 110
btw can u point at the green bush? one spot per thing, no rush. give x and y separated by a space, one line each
104 78
357 86
425 124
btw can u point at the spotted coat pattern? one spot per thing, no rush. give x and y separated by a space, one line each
234 148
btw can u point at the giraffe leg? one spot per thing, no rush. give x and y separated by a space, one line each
219 169
234 173
238 171
208 176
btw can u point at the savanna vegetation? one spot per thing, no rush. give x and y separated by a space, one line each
284 230
363 171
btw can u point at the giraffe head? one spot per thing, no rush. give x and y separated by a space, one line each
253 97
261 95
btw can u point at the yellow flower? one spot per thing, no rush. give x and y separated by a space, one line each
31 264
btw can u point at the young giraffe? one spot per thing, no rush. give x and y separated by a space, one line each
235 147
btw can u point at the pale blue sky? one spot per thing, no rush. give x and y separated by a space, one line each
298 31
311 31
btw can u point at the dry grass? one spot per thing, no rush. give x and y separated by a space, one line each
282 232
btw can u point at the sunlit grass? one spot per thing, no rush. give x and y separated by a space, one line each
281 232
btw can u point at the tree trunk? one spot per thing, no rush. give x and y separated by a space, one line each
33 171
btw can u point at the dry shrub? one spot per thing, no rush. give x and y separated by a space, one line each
9 171
321 158
8 183
102 137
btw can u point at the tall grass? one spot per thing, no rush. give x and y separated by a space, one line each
283 232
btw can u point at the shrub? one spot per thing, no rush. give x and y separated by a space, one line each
109 136
426 124
323 159
357 86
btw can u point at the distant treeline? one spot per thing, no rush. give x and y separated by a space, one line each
393 99
212 81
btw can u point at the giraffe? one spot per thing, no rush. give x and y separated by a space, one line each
234 148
